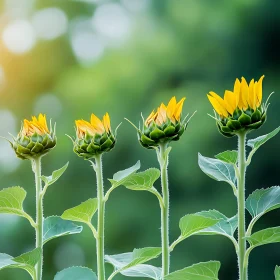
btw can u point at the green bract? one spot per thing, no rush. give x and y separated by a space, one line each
28 147
91 145
242 120
151 136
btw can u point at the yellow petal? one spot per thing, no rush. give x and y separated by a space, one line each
150 118
106 122
179 108
236 90
217 106
161 115
252 95
171 107
220 101
97 124
259 91
230 101
244 94
43 122
84 126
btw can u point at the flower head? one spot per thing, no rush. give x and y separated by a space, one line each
34 139
94 137
36 125
163 125
240 109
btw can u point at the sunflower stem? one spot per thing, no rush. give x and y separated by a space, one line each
163 161
243 267
39 214
101 218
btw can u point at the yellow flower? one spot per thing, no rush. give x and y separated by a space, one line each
243 97
36 125
34 139
95 126
241 109
172 112
94 137
163 125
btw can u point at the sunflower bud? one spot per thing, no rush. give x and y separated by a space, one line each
241 109
34 139
94 137
163 125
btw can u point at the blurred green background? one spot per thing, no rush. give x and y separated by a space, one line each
71 58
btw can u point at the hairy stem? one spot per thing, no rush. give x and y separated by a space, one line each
163 160
243 268
101 218
39 215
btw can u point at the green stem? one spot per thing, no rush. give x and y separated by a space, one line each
101 218
243 274
39 215
163 160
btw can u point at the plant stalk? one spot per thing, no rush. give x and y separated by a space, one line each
39 215
163 160
243 267
101 219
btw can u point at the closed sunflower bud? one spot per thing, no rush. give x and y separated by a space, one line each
241 109
94 137
163 125
34 139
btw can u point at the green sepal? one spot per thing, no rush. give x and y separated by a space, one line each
225 129
21 150
106 145
233 124
37 148
256 116
244 119
157 134
169 131
147 141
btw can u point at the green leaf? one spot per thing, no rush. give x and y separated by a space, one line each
75 273
193 223
26 261
11 202
142 180
217 169
29 260
265 236
277 273
262 201
201 271
124 262
82 213
257 142
225 226
55 226
228 156
143 270
6 261
49 180
120 176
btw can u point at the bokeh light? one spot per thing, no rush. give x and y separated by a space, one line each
112 21
8 161
19 36
49 104
50 23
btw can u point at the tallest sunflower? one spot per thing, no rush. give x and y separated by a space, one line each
241 109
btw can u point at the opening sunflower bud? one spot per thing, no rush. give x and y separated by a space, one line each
163 125
241 109
34 139
94 137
